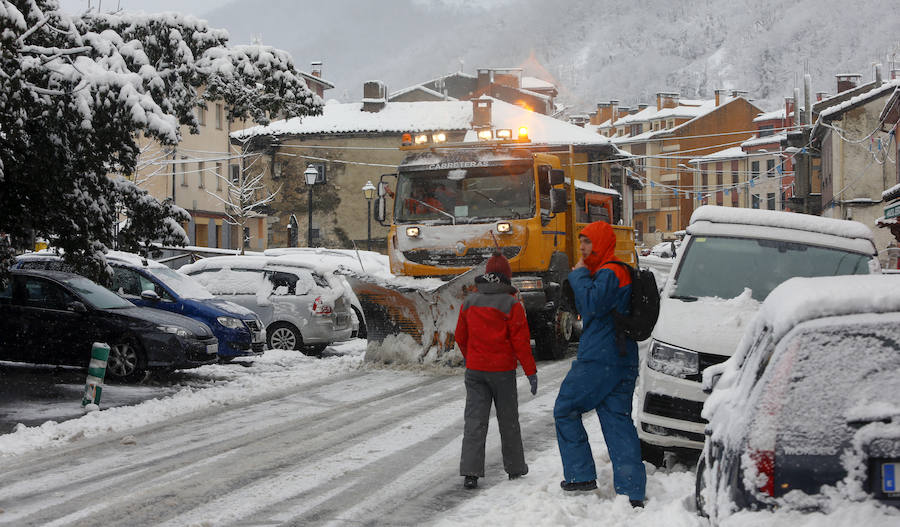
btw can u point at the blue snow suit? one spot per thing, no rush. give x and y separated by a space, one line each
603 375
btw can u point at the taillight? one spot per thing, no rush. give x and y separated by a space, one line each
765 470
320 307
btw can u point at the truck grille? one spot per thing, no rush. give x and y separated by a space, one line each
673 407
449 258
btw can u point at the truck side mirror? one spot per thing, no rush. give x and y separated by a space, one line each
379 212
558 200
557 177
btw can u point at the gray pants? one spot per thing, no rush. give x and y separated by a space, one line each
482 389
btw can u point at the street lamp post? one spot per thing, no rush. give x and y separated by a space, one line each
369 192
311 175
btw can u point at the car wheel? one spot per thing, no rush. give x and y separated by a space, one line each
314 350
126 361
282 335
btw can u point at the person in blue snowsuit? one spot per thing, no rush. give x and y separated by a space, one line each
603 374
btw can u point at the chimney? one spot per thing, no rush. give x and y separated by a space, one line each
796 120
481 113
821 95
623 111
720 96
316 69
789 107
878 80
847 81
666 100
604 112
642 106
374 96
613 110
739 93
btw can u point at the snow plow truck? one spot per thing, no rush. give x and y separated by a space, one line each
453 206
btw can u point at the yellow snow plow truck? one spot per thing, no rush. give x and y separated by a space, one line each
453 205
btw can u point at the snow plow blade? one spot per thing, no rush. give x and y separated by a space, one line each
408 324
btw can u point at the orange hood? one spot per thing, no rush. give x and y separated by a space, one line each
603 240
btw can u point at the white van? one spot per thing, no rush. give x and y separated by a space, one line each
729 261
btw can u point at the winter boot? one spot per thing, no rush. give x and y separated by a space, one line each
471 482
572 486
519 475
637 504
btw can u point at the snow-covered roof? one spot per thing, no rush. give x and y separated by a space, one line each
590 187
414 117
832 111
800 299
319 80
785 220
729 153
768 116
891 193
533 83
421 88
765 140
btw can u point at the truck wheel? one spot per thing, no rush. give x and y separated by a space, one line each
553 341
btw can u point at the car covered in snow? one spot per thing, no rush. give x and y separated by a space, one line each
54 317
301 307
668 249
806 410
729 261
147 283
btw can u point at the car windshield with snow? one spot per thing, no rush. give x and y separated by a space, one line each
808 402
729 261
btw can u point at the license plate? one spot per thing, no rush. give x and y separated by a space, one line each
212 349
889 478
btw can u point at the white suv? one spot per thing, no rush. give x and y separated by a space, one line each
728 263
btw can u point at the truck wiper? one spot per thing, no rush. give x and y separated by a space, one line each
485 196
452 217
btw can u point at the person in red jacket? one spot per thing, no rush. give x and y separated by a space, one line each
492 334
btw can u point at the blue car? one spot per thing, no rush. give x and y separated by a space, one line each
148 283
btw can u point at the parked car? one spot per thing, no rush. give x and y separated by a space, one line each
299 307
809 400
729 261
668 249
148 283
54 317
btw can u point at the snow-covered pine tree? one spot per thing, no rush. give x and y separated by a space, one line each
75 91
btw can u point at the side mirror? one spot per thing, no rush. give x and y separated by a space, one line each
558 200
557 177
150 295
379 211
77 307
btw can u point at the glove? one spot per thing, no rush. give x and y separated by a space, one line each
532 379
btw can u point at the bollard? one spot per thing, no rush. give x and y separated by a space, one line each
96 371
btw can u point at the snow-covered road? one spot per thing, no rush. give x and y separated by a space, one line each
290 440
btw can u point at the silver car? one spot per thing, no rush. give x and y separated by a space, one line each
301 308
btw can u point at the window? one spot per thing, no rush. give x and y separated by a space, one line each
720 182
235 173
670 123
651 224
668 222
754 169
184 182
766 130
734 182
219 116
639 227
278 169
46 295
770 167
201 169
201 115
770 198
218 176
202 235
755 200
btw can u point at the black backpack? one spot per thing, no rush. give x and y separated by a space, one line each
638 323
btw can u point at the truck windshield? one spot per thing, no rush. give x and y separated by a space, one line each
465 195
717 266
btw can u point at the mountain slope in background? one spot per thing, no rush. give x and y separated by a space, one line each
595 50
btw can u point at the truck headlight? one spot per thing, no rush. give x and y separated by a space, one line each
175 330
412 232
528 284
673 361
230 322
504 227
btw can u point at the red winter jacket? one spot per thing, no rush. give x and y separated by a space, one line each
492 331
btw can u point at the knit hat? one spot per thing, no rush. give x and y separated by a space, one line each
498 263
